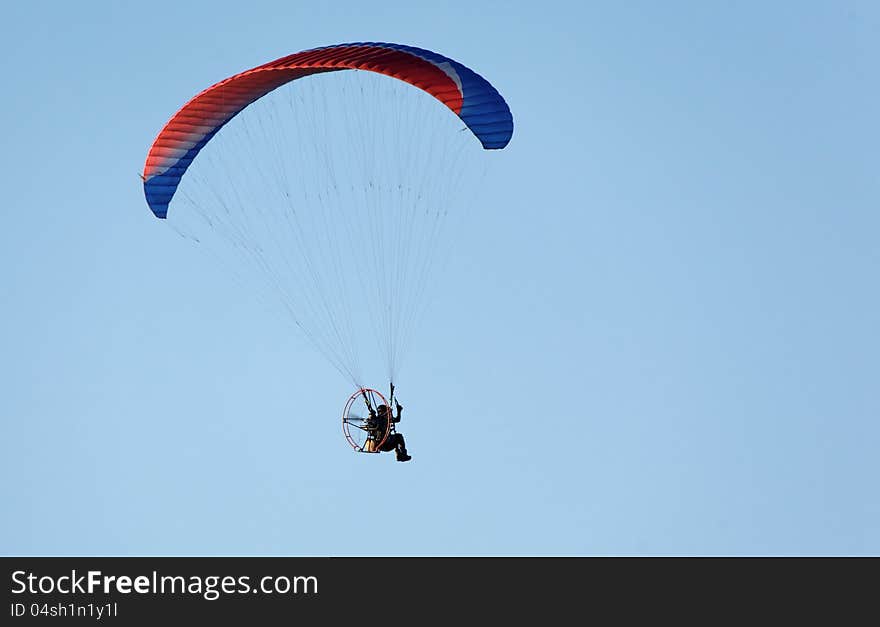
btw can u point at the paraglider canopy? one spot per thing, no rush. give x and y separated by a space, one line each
464 91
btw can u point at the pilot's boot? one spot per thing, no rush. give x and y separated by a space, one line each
402 456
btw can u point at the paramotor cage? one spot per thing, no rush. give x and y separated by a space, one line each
360 421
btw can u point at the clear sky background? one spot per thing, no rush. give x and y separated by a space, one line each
659 338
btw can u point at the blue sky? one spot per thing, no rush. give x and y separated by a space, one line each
658 338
